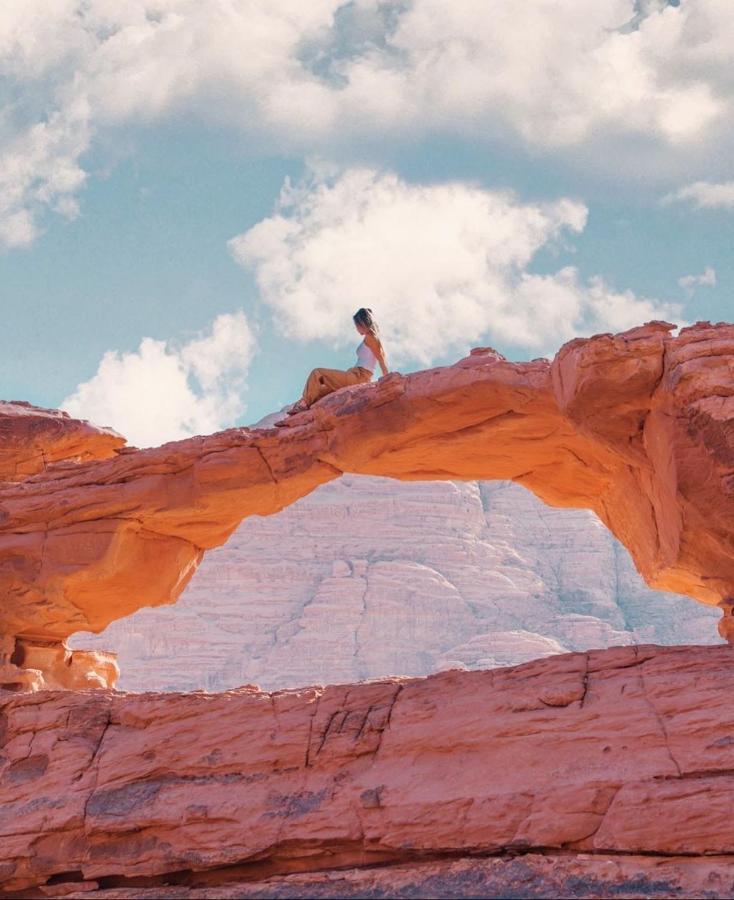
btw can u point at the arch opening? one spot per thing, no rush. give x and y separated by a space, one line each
368 577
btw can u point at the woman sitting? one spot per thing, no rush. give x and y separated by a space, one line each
369 353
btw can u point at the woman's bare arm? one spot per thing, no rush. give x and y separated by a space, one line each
375 346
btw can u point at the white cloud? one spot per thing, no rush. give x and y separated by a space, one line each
555 73
705 195
707 278
78 67
553 76
441 265
163 392
17 228
40 168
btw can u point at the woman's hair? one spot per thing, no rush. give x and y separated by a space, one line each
365 318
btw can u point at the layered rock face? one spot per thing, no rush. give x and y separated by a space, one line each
32 440
531 876
604 771
625 751
635 427
371 577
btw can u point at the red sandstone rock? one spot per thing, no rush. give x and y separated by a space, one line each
634 426
579 875
32 438
625 751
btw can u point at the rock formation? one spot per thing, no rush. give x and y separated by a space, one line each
31 439
622 752
371 577
531 876
635 427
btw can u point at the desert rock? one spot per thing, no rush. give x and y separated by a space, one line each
625 751
32 439
633 426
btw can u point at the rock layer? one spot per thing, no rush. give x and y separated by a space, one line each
625 751
636 427
372 577
531 876
32 439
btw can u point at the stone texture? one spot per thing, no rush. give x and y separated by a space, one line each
531 876
626 751
635 427
32 439
370 577
35 665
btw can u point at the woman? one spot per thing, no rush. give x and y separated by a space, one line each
369 353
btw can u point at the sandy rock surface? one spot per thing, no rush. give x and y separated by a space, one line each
626 751
32 439
532 876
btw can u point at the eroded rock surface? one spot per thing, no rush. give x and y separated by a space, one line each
530 876
626 751
32 439
636 427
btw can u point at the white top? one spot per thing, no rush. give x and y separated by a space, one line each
365 357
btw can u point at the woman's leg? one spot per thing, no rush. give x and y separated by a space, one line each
325 381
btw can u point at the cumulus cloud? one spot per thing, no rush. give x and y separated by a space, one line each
550 75
164 391
705 195
707 278
441 265
556 72
75 67
39 168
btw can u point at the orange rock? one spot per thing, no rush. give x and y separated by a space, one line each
626 751
634 426
32 438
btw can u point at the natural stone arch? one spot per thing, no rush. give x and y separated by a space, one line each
635 427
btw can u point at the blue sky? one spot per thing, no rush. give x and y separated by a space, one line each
136 149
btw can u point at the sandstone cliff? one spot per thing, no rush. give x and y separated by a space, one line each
370 577
625 752
635 427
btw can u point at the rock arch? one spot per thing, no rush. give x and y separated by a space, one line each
635 426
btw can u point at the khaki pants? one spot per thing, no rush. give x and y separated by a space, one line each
324 381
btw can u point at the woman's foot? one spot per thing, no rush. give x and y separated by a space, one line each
297 407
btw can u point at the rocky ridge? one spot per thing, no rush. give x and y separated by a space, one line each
32 439
635 427
624 752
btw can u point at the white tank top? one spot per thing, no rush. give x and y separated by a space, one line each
365 357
